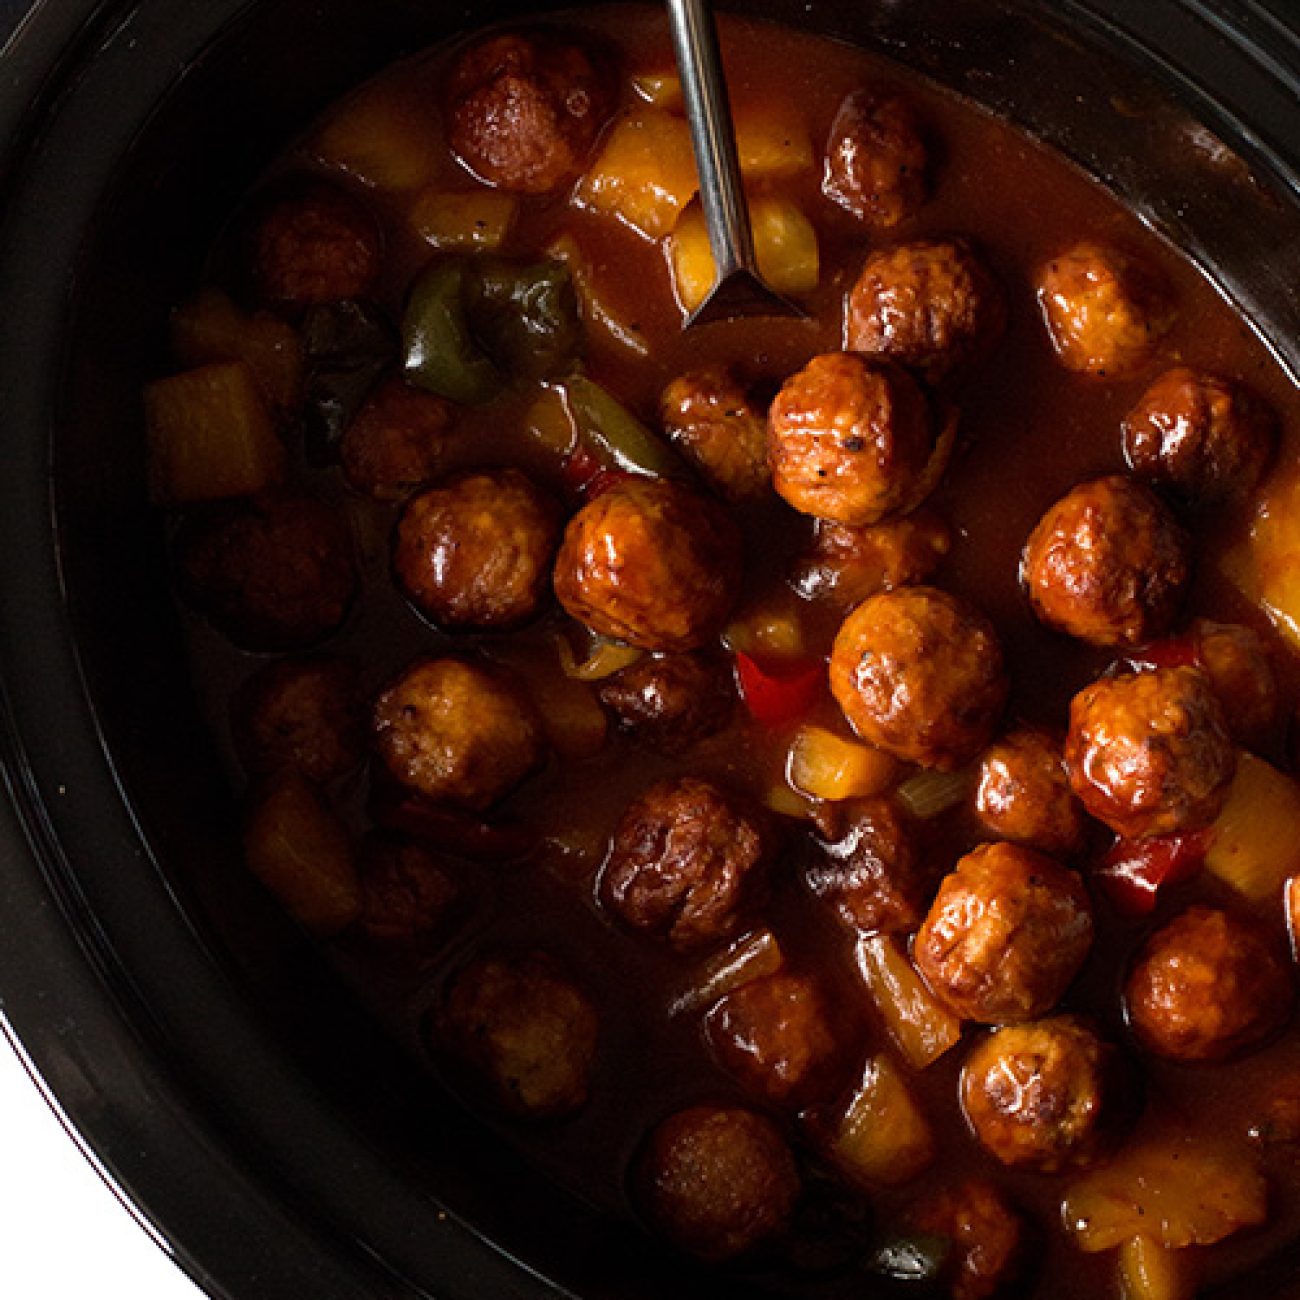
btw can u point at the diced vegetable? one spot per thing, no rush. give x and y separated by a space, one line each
748 959
659 87
1134 871
827 766
1255 840
550 424
929 793
922 1029
1149 1270
210 436
526 316
603 659
473 221
612 435
380 140
1266 565
785 802
772 138
296 846
1178 1190
575 723
784 242
596 310
645 174
209 327
773 629
775 697
441 353
884 1136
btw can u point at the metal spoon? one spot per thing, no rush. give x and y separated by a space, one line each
738 289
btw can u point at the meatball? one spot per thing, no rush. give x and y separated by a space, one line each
846 564
1105 311
475 553
527 1032
988 1238
1241 674
1107 563
1006 934
714 423
1206 437
671 702
868 867
849 438
919 673
931 305
303 714
1149 753
406 892
524 109
274 572
1024 794
457 732
396 441
876 159
680 863
1040 1095
651 563
314 244
1206 986
716 1180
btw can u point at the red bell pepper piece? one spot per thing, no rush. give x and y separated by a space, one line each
589 477
1134 871
777 697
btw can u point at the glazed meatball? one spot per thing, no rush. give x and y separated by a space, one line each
846 564
1149 753
1107 563
672 702
716 1180
714 423
1040 1095
774 1035
1241 674
932 306
988 1238
1206 986
650 563
868 867
919 674
1024 794
303 714
1105 311
876 159
1006 934
849 439
680 863
526 1030
1206 437
475 552
396 441
314 244
524 108
457 732
274 572
406 892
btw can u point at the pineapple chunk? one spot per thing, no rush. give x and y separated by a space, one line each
210 436
1151 1271
659 87
1265 566
827 766
772 140
382 141
784 241
477 221
921 1029
884 1136
1255 840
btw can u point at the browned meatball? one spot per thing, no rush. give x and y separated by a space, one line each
1149 753
1105 311
869 869
396 441
1206 986
274 572
919 673
1107 563
475 552
671 702
931 305
1024 794
1006 934
774 1035
680 862
988 1238
1207 437
1040 1095
303 714
717 426
876 159
457 732
650 563
527 1031
314 244
524 108
1241 674
406 892
716 1180
846 564
849 438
